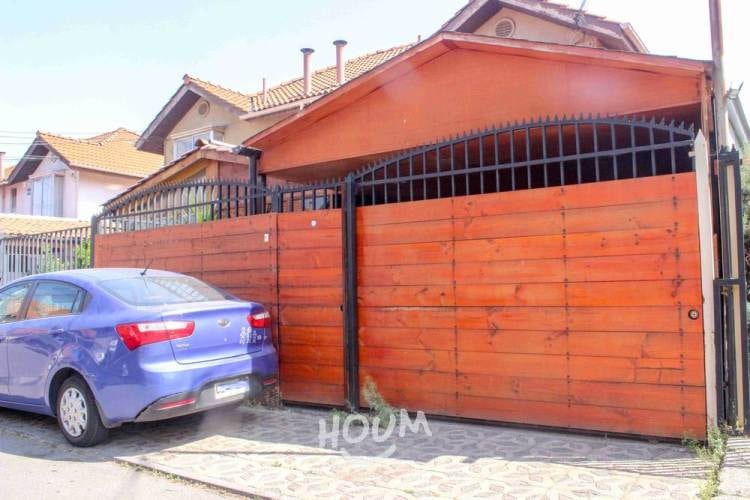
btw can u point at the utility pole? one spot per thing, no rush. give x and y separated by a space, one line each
717 54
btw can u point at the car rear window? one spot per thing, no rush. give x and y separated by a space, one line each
158 290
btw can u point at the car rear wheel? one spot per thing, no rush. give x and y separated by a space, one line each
77 414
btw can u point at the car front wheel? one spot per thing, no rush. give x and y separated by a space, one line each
78 415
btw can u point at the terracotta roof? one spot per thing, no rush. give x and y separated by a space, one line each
5 172
16 224
323 82
112 152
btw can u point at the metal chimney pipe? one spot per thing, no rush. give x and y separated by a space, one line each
340 76
306 53
717 53
265 92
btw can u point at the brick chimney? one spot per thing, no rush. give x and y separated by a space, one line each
306 76
340 76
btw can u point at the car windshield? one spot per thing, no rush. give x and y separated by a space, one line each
158 290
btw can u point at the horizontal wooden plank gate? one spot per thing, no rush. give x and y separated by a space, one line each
544 273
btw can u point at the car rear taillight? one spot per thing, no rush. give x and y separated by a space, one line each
260 320
135 335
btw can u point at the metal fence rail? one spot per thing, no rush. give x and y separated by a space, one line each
529 155
44 252
207 200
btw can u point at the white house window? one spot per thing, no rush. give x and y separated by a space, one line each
47 196
184 144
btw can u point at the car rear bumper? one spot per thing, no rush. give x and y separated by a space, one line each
186 403
148 386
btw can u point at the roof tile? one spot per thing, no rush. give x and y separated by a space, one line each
113 152
16 224
323 82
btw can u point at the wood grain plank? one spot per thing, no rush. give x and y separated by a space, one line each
310 295
512 272
634 267
631 242
408 338
406 317
313 335
653 215
635 293
511 294
292 371
407 359
409 253
629 191
294 315
309 219
419 295
408 232
311 392
407 275
311 355
414 211
510 249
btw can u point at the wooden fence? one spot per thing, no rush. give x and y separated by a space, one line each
544 273
563 306
292 259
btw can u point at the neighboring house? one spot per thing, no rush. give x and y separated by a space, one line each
543 21
204 110
201 110
66 177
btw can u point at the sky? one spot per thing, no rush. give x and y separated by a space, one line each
81 67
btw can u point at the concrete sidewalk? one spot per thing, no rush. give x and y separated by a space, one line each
734 479
277 453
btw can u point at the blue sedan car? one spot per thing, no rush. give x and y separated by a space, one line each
100 347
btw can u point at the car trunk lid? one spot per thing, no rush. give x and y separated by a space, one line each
222 330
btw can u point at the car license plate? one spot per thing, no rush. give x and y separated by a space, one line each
224 390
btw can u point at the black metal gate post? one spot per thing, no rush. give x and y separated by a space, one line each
351 326
731 299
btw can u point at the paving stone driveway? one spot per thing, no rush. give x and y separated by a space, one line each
276 453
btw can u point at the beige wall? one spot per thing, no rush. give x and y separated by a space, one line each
235 130
94 188
538 30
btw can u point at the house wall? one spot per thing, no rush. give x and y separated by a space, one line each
468 89
23 202
94 188
235 130
538 30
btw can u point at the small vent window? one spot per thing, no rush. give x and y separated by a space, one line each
203 108
505 28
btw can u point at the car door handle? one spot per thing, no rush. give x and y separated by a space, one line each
57 331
